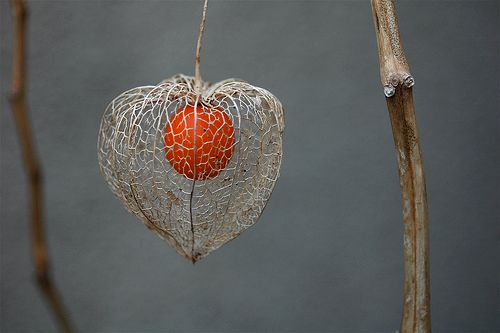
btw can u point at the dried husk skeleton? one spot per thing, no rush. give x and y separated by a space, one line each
194 216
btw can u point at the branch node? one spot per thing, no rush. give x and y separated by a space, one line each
15 95
394 80
35 176
19 10
408 80
389 90
43 280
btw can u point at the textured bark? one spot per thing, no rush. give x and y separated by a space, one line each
19 110
398 83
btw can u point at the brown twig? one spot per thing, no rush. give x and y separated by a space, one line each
197 74
398 83
32 167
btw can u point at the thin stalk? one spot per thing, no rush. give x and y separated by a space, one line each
398 83
197 74
19 108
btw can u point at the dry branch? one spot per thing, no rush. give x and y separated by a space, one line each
19 110
398 83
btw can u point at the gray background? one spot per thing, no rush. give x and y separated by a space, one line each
327 252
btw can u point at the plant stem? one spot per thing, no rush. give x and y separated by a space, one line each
17 101
197 74
398 83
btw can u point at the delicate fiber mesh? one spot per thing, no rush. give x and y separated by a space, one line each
195 215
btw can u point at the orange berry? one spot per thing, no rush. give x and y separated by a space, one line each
214 142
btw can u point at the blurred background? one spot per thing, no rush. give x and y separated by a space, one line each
326 254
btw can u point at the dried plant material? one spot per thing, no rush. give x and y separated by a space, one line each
398 83
196 166
19 106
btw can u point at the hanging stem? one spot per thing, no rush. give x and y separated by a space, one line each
197 74
17 101
398 83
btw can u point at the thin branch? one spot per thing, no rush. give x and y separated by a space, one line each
32 167
398 83
197 74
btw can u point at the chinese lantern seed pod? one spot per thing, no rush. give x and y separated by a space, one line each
197 167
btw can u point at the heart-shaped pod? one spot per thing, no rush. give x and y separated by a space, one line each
196 215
